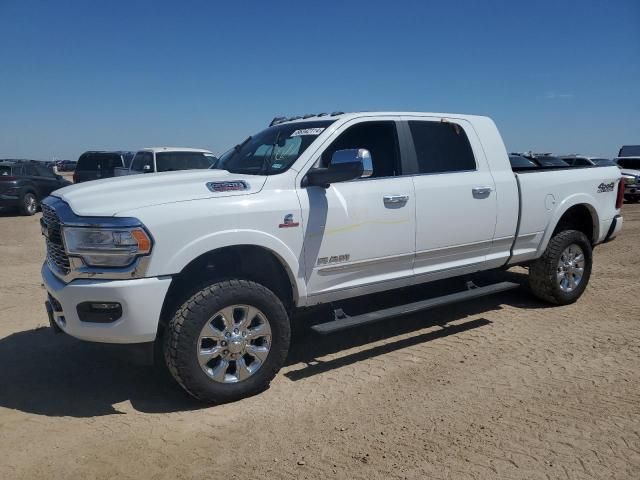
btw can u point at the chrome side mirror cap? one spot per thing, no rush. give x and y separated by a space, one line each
354 155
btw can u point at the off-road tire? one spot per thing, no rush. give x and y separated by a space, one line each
183 330
543 272
29 204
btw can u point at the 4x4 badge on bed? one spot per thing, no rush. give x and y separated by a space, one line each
605 187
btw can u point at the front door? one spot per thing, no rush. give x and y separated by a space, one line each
359 233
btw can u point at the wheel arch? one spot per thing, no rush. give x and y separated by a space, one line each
246 261
575 213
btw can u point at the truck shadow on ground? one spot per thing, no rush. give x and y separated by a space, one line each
56 375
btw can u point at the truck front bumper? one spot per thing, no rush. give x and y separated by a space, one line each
140 303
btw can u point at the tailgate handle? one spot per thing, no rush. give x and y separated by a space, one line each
481 192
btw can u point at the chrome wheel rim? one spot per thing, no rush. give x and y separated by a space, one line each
31 204
570 268
234 343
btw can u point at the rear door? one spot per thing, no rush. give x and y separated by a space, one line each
456 205
359 234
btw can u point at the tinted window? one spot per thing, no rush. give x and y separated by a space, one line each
31 170
45 172
169 161
603 162
630 163
518 161
549 161
630 151
5 170
141 160
441 147
380 138
577 162
105 162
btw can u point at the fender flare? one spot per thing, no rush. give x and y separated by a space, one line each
233 238
571 201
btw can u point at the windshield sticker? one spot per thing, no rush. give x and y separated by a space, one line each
307 131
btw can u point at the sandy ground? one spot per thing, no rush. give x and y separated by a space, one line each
498 388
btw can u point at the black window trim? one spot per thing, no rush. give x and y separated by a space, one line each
412 156
401 144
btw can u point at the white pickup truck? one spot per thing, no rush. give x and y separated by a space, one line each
211 264
167 159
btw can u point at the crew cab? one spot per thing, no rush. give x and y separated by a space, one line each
167 159
24 184
629 162
211 265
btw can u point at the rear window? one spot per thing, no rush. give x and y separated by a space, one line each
170 161
5 170
603 162
518 161
99 161
630 151
548 161
441 147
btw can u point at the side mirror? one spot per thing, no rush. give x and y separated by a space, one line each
345 165
146 169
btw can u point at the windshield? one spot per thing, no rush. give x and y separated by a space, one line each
630 163
273 150
603 162
169 161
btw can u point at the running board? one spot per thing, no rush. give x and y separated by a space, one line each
343 321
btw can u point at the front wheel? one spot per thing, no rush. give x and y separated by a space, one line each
29 205
227 341
562 273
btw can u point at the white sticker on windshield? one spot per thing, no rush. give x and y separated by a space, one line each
307 131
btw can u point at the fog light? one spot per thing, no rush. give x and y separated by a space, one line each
99 312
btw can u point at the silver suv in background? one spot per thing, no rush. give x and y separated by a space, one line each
629 162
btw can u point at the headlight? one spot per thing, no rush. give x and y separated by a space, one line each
629 180
106 247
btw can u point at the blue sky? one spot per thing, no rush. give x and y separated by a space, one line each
558 75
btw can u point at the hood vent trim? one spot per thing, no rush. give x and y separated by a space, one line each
228 186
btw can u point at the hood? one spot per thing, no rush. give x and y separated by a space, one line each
112 195
629 171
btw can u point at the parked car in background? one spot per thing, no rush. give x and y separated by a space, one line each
546 160
518 162
629 162
23 185
66 165
94 165
584 161
167 159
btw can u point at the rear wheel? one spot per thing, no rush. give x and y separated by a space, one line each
561 275
227 341
29 205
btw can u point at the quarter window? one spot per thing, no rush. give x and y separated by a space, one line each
441 147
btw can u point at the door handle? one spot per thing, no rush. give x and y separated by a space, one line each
395 199
481 192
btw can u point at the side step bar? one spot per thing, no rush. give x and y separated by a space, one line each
343 321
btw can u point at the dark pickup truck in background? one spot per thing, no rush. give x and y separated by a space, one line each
23 185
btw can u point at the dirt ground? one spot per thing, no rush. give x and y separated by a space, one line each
503 387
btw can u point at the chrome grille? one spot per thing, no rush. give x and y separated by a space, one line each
56 254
